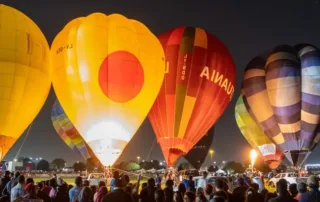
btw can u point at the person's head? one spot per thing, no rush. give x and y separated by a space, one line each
217 199
201 198
269 196
151 182
53 182
29 180
40 185
159 195
86 183
22 179
169 183
115 174
62 188
282 186
144 185
255 187
102 184
157 175
240 181
200 191
125 180
293 190
189 197
93 188
30 189
209 189
16 175
117 183
7 173
204 174
190 177
302 187
219 184
182 188
78 181
313 182
177 197
54 175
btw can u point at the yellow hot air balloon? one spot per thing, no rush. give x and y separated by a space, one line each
24 74
108 71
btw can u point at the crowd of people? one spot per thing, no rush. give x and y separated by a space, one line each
15 187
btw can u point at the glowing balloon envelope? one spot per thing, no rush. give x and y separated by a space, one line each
24 74
108 72
283 93
198 86
272 156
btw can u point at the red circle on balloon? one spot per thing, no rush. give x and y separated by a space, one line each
121 76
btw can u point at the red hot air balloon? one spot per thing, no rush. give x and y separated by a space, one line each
198 86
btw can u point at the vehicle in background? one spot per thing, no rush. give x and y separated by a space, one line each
95 178
291 178
210 179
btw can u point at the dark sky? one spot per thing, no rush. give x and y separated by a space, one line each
247 27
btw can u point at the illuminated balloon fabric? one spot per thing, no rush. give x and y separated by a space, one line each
283 93
24 74
67 131
255 137
198 86
108 72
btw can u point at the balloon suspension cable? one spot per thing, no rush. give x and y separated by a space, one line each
150 152
27 134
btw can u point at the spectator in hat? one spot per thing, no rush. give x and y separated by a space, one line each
313 195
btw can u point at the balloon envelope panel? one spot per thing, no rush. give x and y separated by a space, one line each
283 93
255 136
198 86
67 131
108 72
24 74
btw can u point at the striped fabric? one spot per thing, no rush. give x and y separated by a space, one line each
67 131
283 93
197 88
255 136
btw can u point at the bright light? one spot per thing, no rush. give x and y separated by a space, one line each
215 162
160 163
223 162
211 151
253 156
37 159
40 158
107 139
15 160
30 158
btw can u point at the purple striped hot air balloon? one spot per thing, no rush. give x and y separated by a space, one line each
283 91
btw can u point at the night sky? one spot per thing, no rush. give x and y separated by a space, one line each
247 28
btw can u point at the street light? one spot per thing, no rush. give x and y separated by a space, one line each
138 157
211 153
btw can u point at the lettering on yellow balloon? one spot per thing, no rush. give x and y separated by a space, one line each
62 48
218 78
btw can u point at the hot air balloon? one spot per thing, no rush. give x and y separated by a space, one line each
283 93
198 86
272 156
108 71
68 133
24 74
199 152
